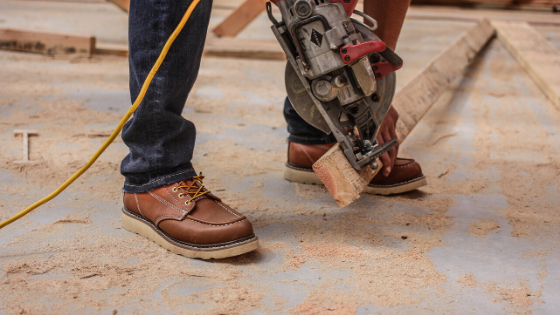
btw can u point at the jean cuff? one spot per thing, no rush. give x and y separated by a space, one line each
312 140
159 181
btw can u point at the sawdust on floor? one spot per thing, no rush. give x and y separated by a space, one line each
384 268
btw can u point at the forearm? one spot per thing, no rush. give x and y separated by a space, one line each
389 15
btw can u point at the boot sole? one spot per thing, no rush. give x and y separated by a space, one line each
136 224
306 176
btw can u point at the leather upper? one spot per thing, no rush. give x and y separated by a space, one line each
205 220
304 155
403 170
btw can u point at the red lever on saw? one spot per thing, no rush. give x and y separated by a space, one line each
381 69
351 53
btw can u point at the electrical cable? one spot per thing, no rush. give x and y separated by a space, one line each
117 130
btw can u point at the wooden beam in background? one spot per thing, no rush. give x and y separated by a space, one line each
122 4
217 47
47 43
241 48
535 54
548 5
111 49
240 18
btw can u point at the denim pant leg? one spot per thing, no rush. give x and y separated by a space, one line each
300 131
160 140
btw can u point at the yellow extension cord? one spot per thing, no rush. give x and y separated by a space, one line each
119 127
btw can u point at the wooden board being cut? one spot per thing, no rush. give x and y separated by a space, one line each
418 96
412 102
534 53
340 178
46 43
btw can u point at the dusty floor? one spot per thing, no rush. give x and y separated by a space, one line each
482 238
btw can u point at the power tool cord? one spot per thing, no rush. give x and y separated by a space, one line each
117 130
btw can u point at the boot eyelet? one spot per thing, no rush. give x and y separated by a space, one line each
181 195
174 189
188 202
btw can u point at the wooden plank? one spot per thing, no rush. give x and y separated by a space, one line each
111 49
46 43
217 47
122 4
448 13
535 54
417 97
547 5
340 178
238 48
240 18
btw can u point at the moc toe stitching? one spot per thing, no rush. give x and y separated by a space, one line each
166 217
223 206
410 161
222 224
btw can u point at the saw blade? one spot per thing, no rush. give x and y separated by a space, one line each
303 104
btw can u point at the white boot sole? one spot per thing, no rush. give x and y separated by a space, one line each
140 226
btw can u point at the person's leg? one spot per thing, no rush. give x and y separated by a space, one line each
302 132
164 200
389 16
160 140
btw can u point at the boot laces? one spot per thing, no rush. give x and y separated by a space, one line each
195 188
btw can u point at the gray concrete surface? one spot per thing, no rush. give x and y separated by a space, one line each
482 237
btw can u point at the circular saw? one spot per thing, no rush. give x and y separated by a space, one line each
339 76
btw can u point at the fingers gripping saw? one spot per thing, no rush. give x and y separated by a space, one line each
339 76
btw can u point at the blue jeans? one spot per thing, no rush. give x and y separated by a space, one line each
160 140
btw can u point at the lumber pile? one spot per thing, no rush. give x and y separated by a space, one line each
240 18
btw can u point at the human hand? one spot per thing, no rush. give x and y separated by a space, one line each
387 132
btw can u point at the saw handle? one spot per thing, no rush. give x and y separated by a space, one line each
391 57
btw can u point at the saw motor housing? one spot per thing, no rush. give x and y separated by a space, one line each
339 75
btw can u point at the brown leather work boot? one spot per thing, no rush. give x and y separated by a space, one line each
186 219
406 174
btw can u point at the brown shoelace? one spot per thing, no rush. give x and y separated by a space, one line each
195 185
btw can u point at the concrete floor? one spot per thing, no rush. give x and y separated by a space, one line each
482 238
